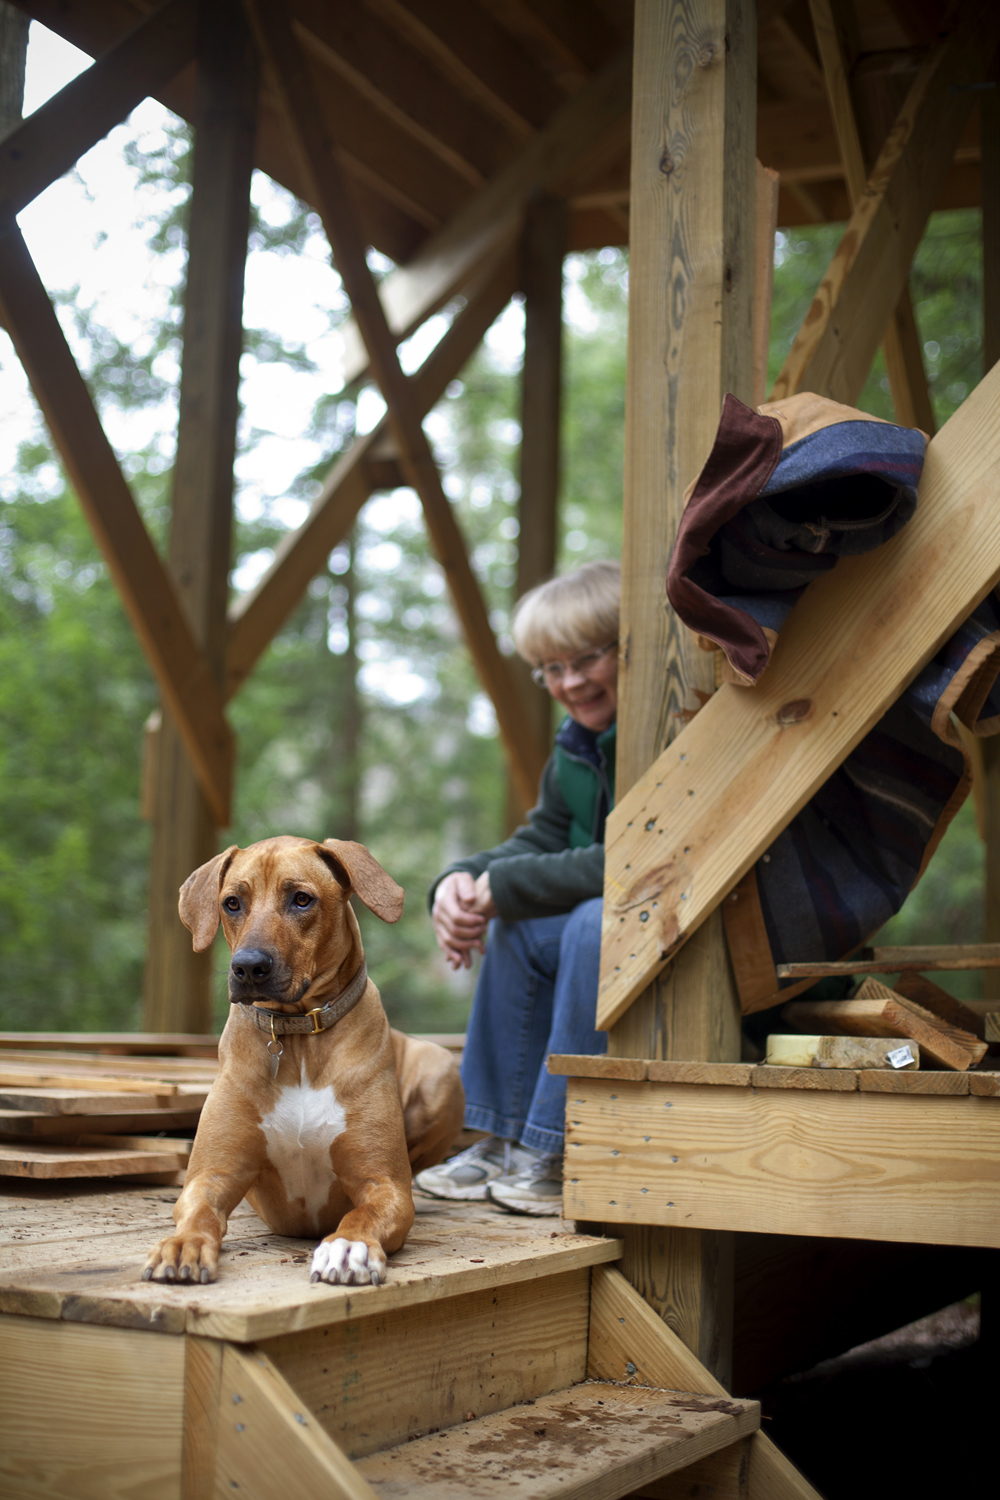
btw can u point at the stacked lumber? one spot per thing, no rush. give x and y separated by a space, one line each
946 1031
68 1112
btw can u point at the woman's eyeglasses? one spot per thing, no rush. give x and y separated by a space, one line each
553 672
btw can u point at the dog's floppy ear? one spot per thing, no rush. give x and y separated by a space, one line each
365 877
199 899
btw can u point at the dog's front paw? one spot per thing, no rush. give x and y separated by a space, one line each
183 1257
348 1263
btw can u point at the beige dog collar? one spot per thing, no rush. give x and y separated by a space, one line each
314 1021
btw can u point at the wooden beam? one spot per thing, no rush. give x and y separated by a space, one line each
576 133
930 957
901 345
257 617
625 1332
332 195
863 283
893 609
916 1168
150 600
177 990
692 222
52 139
767 183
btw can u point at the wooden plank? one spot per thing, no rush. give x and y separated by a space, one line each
914 986
177 981
119 1397
149 597
932 957
991 1026
202 1392
884 1081
863 283
40 1078
724 1475
74 1101
332 195
838 1052
267 1443
728 1075
23 1124
46 1161
568 1065
830 1080
879 1011
765 226
739 772
411 1371
625 1331
577 132
786 1161
984 1085
259 614
120 1043
57 134
593 1442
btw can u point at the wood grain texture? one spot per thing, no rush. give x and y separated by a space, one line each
39 1160
765 225
411 1371
833 351
147 592
829 1080
786 1161
888 1081
729 1074
984 1085
119 1398
56 135
268 1443
879 1011
570 1065
202 1389
113 1043
594 1442
917 987
836 1052
723 1476
736 775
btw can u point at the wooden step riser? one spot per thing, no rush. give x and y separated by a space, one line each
379 1381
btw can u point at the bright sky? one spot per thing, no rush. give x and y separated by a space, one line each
88 231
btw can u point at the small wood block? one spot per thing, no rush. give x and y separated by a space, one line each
84 1161
835 1080
991 1026
837 1051
571 1065
700 1072
888 1081
878 1011
914 986
985 1085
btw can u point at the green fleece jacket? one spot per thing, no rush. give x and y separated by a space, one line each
555 860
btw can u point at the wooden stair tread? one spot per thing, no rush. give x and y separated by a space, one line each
596 1440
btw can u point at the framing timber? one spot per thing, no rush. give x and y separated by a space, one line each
147 592
840 1164
332 196
177 982
257 617
52 139
867 275
737 774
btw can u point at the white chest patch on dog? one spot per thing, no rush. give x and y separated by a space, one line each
300 1130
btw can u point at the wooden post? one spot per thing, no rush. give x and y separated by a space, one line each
178 982
13 51
690 341
989 131
543 246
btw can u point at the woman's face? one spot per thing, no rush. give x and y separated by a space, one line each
589 696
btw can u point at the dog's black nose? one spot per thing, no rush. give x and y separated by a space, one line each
251 965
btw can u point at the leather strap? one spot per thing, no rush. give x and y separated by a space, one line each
314 1021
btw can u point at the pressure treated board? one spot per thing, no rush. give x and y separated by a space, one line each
81 1257
89 1413
413 1370
785 1161
704 812
593 1441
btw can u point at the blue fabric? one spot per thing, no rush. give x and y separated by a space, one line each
537 993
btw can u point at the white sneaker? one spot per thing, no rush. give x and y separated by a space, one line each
537 1189
468 1175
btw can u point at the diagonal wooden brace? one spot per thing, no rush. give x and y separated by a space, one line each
58 133
833 350
146 589
332 197
705 811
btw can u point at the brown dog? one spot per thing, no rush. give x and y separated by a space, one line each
320 1118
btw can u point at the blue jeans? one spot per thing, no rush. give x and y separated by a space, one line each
537 993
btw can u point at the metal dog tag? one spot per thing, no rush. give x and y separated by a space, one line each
275 1056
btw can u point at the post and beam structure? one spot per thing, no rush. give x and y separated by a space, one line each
691 285
177 993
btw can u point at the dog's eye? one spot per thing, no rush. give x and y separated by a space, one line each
301 898
232 903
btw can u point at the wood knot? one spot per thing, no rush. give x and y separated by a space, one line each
706 55
794 712
666 164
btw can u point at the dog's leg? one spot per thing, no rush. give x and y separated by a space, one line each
433 1099
225 1162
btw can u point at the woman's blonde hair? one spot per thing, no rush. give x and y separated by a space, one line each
570 613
